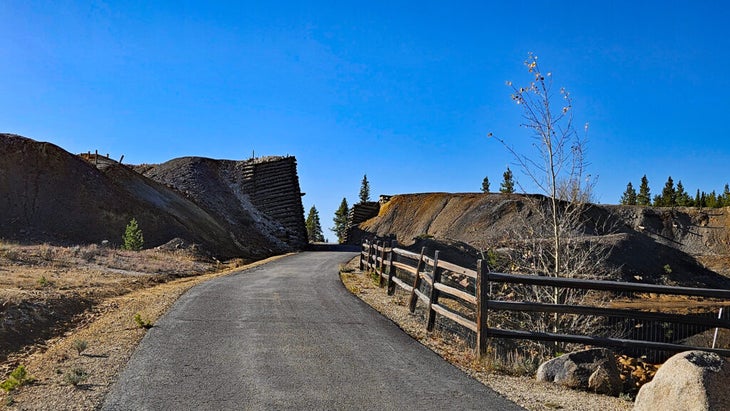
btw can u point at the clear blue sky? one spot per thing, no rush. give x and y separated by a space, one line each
403 91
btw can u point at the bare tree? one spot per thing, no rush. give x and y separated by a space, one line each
561 238
558 167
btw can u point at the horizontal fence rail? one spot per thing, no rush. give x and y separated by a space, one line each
432 279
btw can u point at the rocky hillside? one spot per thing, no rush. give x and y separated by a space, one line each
675 246
48 194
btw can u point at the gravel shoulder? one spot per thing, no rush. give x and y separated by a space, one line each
112 336
523 390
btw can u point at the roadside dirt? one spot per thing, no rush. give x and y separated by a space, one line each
53 298
522 389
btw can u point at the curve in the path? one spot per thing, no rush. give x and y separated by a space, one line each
287 335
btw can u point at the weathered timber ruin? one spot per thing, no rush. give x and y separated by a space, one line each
248 209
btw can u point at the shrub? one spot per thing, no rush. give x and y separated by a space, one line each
46 252
142 323
17 378
132 239
75 376
79 345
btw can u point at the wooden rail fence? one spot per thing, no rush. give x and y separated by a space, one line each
385 259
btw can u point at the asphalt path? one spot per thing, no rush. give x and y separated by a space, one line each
288 335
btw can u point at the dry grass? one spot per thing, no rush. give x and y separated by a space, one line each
105 289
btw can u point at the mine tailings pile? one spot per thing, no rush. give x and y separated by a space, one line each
249 209
676 246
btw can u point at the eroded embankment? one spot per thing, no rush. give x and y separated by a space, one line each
667 245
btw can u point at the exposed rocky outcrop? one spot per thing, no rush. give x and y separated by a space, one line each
692 380
48 194
686 246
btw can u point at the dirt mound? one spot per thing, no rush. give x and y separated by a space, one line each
215 186
51 195
674 246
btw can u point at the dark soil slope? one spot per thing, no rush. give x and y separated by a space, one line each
258 200
48 194
693 243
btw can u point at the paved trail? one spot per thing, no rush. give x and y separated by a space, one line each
287 335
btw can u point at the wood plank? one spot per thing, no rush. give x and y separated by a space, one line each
710 322
429 261
457 269
404 267
603 285
462 295
454 317
427 277
402 285
406 253
599 341
421 296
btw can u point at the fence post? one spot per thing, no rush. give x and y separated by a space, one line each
714 340
416 282
482 294
391 269
434 293
381 271
370 254
362 249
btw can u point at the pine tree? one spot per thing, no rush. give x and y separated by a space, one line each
340 220
698 199
629 196
314 229
711 199
644 196
364 190
132 239
485 185
683 199
724 198
669 195
508 184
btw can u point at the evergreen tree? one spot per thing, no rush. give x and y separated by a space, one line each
485 185
698 199
683 199
314 229
629 196
508 184
132 239
711 199
724 198
669 194
364 189
644 196
340 220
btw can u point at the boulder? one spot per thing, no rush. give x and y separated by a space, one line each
691 380
592 370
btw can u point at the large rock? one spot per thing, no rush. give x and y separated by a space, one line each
592 370
691 380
